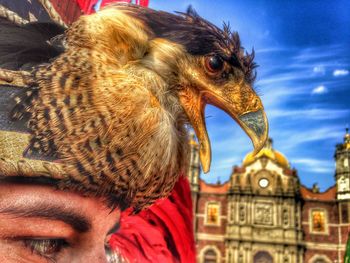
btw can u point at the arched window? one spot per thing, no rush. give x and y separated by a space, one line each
210 256
212 213
320 259
263 257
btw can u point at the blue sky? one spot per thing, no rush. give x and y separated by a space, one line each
303 51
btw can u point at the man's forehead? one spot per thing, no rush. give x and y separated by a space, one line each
79 221
37 191
45 202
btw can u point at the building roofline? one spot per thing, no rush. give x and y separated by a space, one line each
328 195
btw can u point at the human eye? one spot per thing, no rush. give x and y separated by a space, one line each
47 248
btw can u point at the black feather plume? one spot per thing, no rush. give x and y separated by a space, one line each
22 47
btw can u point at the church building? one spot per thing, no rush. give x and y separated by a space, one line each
262 214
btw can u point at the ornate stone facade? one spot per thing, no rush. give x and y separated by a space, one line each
263 214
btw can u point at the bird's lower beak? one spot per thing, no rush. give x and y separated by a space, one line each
255 125
248 112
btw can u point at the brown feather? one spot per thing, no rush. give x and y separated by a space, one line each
108 107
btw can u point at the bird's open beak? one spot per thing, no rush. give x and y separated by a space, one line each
256 126
243 105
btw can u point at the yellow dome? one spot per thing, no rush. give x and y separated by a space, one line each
268 152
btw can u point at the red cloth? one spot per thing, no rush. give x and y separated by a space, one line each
87 6
70 10
163 233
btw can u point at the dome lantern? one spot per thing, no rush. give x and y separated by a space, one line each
269 152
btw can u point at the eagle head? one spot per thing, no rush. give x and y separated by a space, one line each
197 63
204 65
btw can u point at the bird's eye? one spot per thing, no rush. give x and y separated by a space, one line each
214 64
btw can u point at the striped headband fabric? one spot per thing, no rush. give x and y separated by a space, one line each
14 140
14 136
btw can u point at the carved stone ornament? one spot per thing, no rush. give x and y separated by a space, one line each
285 216
263 214
240 257
232 212
241 213
263 161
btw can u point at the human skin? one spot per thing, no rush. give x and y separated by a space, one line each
41 224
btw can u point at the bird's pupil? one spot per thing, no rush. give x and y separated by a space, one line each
215 63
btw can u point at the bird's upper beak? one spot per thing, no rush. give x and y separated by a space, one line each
239 101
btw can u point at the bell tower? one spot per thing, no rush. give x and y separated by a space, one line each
194 165
193 174
342 167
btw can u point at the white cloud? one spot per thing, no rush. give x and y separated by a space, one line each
319 69
275 95
315 165
312 114
340 72
317 53
229 162
319 90
281 78
296 139
271 50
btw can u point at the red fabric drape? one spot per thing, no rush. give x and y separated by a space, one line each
71 10
142 2
87 6
163 233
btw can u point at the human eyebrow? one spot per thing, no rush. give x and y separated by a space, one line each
52 212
